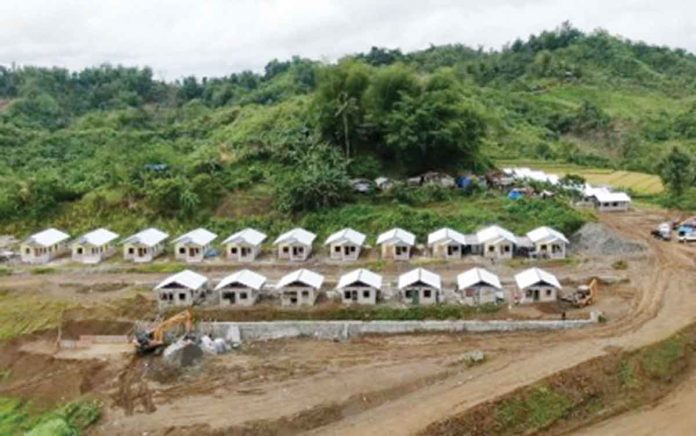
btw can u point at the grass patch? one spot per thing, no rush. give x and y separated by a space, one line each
24 314
534 412
663 360
17 417
5 271
156 267
40 270
344 313
620 265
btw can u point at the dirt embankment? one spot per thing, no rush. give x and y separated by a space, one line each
589 392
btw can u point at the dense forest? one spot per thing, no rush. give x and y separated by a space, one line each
112 145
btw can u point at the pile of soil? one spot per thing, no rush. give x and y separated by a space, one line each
596 239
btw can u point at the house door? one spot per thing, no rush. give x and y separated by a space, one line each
141 252
536 295
354 295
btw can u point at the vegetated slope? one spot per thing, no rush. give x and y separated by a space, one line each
114 142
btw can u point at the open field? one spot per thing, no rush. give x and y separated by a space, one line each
640 183
370 385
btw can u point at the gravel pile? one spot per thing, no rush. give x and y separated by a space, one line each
597 240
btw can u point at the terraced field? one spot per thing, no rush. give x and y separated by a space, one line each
640 183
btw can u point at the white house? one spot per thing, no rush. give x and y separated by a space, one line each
360 286
184 288
478 286
396 244
345 244
244 245
295 245
299 288
536 285
193 246
420 286
548 243
240 289
144 246
44 246
606 200
93 247
496 242
448 243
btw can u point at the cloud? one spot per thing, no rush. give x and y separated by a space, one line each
216 37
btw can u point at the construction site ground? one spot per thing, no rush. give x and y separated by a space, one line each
369 385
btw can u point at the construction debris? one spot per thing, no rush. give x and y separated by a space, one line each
595 239
183 353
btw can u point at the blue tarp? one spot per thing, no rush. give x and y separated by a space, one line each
515 195
464 182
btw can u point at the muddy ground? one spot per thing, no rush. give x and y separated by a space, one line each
370 385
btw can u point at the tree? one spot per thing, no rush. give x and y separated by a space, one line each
676 171
435 129
339 103
320 179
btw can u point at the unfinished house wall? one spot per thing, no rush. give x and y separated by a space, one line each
38 255
539 293
142 253
448 251
396 252
478 294
91 254
294 252
615 206
192 253
242 252
420 294
359 295
344 252
175 296
237 296
298 296
498 250
553 250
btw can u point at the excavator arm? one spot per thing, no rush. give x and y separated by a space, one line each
155 338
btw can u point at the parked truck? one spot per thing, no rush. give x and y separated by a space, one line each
663 232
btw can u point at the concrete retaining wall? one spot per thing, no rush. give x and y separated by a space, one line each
267 330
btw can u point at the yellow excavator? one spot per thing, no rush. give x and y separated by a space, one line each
154 340
586 294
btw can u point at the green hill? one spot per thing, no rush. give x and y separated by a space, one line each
112 145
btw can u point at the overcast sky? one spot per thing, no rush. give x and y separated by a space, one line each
217 37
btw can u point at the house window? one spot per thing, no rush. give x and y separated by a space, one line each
182 250
79 250
470 292
491 248
352 248
346 295
131 250
242 295
182 296
337 249
305 293
548 292
27 251
366 294
233 250
286 249
543 247
427 293
408 293
507 248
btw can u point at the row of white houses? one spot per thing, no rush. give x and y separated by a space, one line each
361 286
294 245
